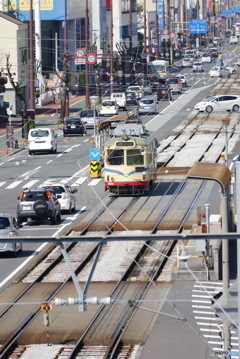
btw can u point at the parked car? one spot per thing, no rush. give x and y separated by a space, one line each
137 89
64 193
175 84
198 66
42 140
186 62
219 103
164 92
9 229
38 204
74 126
120 99
148 105
131 98
219 71
108 108
90 117
206 57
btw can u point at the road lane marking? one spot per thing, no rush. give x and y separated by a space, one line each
2 183
94 181
79 181
30 184
13 185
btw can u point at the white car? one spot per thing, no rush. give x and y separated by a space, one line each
198 66
137 90
42 139
108 108
9 228
219 71
64 193
187 62
233 40
219 103
148 105
120 99
182 79
233 68
206 57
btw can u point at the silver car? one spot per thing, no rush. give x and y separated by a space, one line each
148 105
64 193
87 116
9 229
198 66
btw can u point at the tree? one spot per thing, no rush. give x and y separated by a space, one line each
19 93
64 77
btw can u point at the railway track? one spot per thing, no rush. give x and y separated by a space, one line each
124 217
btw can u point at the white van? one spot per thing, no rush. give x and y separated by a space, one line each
42 140
233 40
120 99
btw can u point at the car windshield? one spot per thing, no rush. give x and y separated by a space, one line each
186 59
87 113
34 196
208 99
215 69
147 102
57 189
197 63
4 223
73 122
173 81
134 88
40 133
108 103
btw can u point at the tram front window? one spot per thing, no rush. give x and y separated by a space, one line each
115 157
134 158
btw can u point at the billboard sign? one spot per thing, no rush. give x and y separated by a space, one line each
197 26
50 9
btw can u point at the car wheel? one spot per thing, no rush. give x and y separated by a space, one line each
235 108
209 109
55 151
59 218
40 207
52 150
30 152
233 72
19 221
14 252
64 135
53 218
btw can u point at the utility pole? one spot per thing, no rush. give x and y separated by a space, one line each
156 31
111 48
145 37
31 49
66 69
38 46
87 100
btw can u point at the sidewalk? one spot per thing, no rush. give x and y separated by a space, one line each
44 111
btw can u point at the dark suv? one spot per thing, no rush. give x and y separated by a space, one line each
74 126
38 204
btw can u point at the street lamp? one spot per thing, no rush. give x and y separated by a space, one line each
93 101
225 123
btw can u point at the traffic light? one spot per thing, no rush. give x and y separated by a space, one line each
3 81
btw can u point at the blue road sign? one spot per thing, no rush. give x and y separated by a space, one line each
95 154
197 26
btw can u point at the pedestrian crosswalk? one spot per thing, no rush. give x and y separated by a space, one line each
38 182
210 325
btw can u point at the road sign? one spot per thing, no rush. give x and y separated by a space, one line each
197 26
172 35
79 53
91 58
95 154
165 32
80 61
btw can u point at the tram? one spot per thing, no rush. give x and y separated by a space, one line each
130 160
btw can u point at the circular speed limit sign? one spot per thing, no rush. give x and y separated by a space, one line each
91 58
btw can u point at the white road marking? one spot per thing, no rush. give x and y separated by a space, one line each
79 181
94 182
2 183
30 184
49 162
14 184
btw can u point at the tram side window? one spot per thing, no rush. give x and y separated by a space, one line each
134 158
115 157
